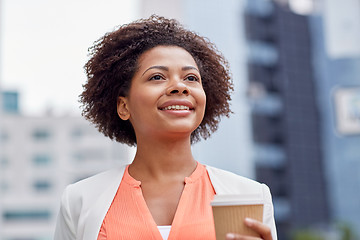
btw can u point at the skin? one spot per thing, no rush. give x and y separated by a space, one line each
257 226
167 75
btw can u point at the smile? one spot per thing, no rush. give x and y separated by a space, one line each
176 107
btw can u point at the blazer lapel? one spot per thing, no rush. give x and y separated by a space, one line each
219 180
98 211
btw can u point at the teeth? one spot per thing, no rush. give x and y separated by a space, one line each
177 107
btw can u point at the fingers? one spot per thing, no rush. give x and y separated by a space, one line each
263 230
259 227
234 236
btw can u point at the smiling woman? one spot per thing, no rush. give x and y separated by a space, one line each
158 86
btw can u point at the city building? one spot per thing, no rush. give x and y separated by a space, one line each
285 115
336 51
39 156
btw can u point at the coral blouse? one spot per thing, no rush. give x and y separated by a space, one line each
129 217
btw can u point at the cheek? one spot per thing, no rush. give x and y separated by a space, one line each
201 98
142 103
141 97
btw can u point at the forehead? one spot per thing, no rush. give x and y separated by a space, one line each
166 56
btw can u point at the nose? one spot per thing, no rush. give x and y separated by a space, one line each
178 88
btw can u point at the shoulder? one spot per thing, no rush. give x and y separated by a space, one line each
226 182
78 201
82 195
97 181
89 188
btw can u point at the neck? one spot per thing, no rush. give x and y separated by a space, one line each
157 159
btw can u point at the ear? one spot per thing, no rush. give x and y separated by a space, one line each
122 108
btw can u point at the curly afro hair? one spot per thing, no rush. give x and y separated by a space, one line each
113 63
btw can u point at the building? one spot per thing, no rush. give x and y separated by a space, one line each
39 156
285 115
336 52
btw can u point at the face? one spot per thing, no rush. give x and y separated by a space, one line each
166 97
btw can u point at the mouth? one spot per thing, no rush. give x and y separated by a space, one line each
176 107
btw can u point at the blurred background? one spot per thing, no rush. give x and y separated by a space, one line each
296 104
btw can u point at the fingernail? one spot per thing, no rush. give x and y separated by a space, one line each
230 236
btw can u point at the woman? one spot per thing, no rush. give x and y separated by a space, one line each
155 85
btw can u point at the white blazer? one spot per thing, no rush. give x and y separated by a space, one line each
84 204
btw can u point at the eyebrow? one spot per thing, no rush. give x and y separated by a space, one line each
167 69
189 68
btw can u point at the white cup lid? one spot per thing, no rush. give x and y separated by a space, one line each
239 199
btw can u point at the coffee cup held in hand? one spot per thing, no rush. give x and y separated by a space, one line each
230 211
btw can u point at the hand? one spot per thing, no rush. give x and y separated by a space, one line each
263 230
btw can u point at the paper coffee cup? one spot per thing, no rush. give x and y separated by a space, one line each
230 211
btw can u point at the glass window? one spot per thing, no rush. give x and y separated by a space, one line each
26 215
77 132
263 53
42 185
261 8
41 134
282 206
41 160
10 102
270 155
89 155
17 238
264 102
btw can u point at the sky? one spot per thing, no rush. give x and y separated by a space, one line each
44 46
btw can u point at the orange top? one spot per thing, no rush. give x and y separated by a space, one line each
129 217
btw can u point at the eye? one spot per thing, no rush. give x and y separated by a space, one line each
192 78
156 77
